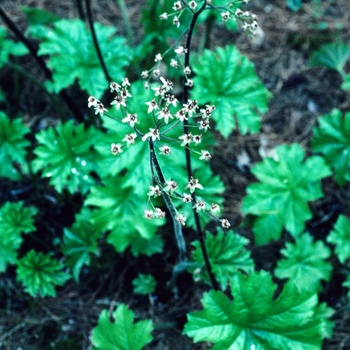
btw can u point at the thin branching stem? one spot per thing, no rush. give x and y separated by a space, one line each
187 149
63 94
95 41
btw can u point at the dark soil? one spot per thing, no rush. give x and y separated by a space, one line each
300 95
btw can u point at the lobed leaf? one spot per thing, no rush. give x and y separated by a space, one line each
122 334
144 284
39 273
340 236
332 139
13 147
65 154
227 255
227 79
255 319
280 198
304 264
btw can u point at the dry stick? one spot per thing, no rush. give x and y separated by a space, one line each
94 37
177 226
188 156
71 104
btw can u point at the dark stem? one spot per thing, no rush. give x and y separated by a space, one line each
177 226
94 38
63 94
80 9
187 150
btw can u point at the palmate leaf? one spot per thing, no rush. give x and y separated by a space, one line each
39 273
15 219
340 236
73 56
227 255
332 139
121 210
65 154
280 198
304 264
332 56
257 320
228 80
12 147
80 242
144 284
122 334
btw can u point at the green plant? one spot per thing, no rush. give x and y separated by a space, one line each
332 139
280 198
39 273
255 319
144 284
122 333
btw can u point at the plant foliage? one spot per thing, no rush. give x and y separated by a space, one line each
233 87
305 263
227 255
15 219
39 273
122 334
12 147
340 236
73 56
144 284
65 154
332 139
255 319
280 198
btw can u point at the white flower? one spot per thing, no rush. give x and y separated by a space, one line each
187 70
163 16
193 184
165 150
186 198
189 82
239 13
92 101
165 113
192 5
144 74
160 214
116 148
126 82
174 63
124 93
200 205
181 114
114 87
152 105
177 6
153 134
156 72
99 108
176 22
180 50
118 101
171 100
245 26
225 223
204 124
187 138
197 139
158 57
205 155
191 106
181 219
225 16
129 139
154 191
171 186
167 84
215 208
148 214
131 119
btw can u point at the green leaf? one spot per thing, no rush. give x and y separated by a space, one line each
79 242
35 15
15 219
144 284
12 147
305 263
255 319
122 334
227 255
233 87
294 5
332 56
121 211
285 187
39 273
73 56
332 139
144 246
340 236
65 155
346 284
9 47
346 83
